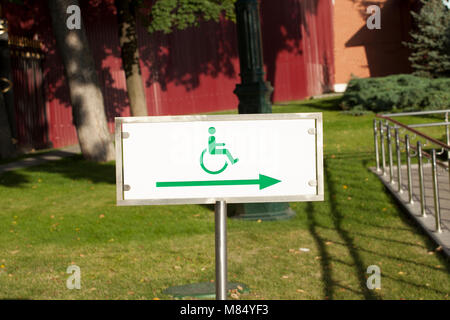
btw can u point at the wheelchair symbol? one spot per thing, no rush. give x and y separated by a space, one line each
212 150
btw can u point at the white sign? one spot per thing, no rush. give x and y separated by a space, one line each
232 158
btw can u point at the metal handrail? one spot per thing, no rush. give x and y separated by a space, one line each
385 129
423 125
418 133
415 113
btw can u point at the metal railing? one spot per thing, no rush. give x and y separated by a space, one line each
383 128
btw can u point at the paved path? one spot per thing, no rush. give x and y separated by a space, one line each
428 223
41 158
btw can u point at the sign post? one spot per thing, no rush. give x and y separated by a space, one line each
218 160
221 250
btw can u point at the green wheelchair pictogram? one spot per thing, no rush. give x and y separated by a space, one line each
213 150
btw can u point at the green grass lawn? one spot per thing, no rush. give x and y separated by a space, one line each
64 213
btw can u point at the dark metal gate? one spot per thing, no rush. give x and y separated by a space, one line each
29 98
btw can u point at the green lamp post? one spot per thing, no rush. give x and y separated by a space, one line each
254 97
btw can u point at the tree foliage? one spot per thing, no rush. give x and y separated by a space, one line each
168 15
430 45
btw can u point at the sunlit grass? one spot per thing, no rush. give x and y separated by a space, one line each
64 213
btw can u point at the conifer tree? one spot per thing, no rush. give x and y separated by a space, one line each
430 45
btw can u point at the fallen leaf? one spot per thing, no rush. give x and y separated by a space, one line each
234 296
101 216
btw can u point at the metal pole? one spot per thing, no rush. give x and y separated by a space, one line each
421 184
408 165
375 138
221 250
437 208
399 161
383 155
447 134
391 165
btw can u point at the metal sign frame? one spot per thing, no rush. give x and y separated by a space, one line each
119 136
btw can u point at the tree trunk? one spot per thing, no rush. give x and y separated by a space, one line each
7 148
126 16
86 97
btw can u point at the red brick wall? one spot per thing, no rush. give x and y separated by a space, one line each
370 53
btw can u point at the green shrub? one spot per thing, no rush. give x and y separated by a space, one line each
397 93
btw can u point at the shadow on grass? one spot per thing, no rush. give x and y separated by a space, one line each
430 245
337 217
411 224
330 104
74 168
324 255
13 179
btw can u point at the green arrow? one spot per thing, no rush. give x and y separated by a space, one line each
263 181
